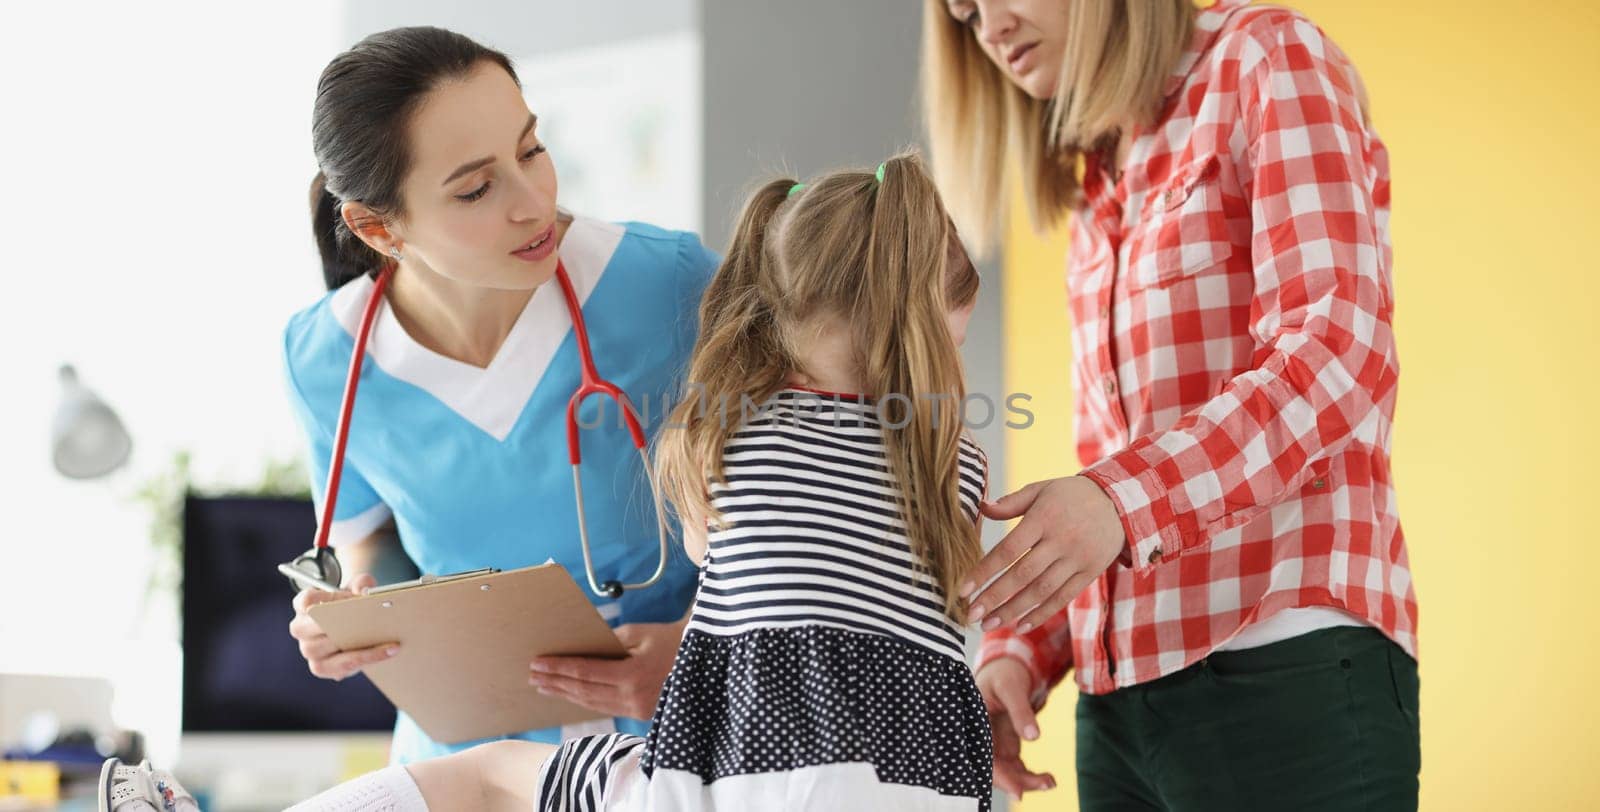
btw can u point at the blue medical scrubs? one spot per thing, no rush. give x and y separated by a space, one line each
471 463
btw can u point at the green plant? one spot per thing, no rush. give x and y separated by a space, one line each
163 494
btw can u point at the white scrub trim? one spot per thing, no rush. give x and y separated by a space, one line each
493 397
357 527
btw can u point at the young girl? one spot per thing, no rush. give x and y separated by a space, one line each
822 664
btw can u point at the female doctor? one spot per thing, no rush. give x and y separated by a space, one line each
430 159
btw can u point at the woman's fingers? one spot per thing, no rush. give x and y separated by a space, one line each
1012 504
346 663
1012 694
615 687
1032 581
1005 685
1007 754
1010 774
308 597
323 657
1016 543
597 696
1025 779
584 669
317 648
1056 601
1015 778
1072 533
1007 744
985 606
303 628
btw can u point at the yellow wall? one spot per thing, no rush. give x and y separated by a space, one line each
1489 111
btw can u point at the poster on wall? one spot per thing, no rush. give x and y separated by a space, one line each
622 121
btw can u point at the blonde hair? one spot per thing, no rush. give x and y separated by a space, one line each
883 257
1115 63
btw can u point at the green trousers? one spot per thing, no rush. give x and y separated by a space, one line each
1327 720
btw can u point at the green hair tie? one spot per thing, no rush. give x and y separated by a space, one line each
795 189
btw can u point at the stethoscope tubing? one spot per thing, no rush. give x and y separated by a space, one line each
591 384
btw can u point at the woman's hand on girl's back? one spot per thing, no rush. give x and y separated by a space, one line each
1005 685
1069 534
628 687
324 658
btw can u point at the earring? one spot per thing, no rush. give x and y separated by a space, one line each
395 252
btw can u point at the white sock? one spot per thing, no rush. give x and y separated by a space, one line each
388 790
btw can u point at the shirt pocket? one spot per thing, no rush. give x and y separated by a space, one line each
1183 228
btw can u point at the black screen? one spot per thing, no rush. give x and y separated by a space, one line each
241 669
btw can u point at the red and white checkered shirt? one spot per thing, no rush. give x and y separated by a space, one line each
1234 362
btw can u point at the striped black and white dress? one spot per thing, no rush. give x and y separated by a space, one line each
818 669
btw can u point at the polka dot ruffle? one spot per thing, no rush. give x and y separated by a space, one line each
785 698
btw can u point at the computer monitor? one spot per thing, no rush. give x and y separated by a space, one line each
242 672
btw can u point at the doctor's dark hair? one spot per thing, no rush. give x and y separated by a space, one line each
360 126
882 258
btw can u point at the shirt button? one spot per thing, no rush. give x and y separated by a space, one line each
1111 386
1105 312
1319 483
1155 556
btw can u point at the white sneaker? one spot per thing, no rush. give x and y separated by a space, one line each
138 787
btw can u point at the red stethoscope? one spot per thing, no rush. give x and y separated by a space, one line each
319 566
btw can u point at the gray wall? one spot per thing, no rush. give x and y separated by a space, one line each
803 86
525 28
809 86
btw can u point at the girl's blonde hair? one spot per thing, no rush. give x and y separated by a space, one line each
1114 66
882 257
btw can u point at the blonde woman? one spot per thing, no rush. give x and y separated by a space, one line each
1226 576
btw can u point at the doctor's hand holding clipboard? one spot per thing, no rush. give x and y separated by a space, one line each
628 687
323 657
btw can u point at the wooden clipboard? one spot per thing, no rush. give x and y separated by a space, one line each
465 645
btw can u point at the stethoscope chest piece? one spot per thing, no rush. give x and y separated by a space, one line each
321 564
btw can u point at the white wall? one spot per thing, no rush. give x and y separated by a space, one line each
155 234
